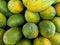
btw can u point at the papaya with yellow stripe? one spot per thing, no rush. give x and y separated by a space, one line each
57 8
41 41
56 21
15 6
32 17
37 5
48 13
55 40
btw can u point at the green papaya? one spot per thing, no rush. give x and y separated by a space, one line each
4 9
12 36
1 34
2 20
24 42
15 20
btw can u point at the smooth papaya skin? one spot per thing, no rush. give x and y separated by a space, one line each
48 13
32 17
41 41
47 28
37 5
30 30
12 36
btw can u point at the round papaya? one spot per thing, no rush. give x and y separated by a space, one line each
47 28
12 36
15 20
30 30
2 20
57 8
48 13
55 40
41 41
24 42
56 21
37 5
15 6
32 17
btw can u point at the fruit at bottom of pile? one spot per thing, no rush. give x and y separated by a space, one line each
55 40
30 30
2 20
57 8
41 41
48 13
12 36
15 20
32 17
37 5
15 6
56 21
24 42
47 28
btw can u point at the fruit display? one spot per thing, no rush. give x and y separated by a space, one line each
29 22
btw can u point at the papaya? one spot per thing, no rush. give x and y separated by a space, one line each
30 30
4 8
48 13
41 41
15 20
57 8
2 20
2 31
47 28
55 40
12 36
15 6
24 42
56 21
32 17
57 1
37 5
